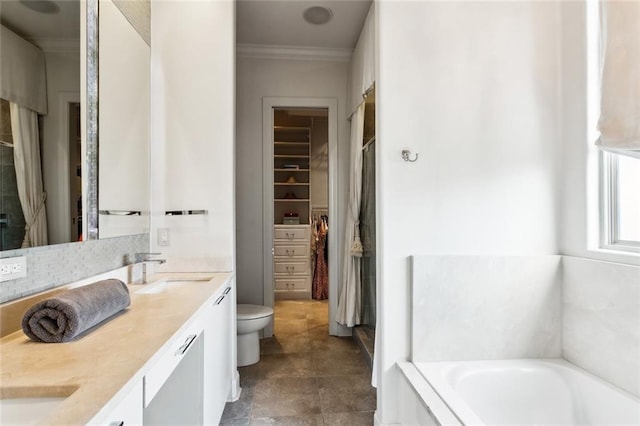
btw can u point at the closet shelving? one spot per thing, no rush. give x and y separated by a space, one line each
291 155
291 193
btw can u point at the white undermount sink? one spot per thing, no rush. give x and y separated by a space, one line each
164 285
27 411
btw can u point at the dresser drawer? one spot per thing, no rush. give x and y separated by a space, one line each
291 267
291 233
293 284
289 251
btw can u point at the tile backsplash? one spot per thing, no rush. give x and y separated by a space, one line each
56 265
486 307
601 319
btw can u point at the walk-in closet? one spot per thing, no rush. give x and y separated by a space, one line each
300 203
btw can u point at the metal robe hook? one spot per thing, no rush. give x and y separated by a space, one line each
406 154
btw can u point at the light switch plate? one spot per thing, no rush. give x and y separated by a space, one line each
12 268
163 237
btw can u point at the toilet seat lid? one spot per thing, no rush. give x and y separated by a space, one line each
247 312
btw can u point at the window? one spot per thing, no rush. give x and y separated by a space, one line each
614 76
620 200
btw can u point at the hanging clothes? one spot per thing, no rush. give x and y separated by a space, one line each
320 284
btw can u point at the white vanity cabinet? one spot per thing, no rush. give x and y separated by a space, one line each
218 364
190 382
173 385
128 411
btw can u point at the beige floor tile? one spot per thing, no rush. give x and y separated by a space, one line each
359 384
302 405
349 419
347 403
240 408
316 321
339 363
285 387
339 394
286 344
236 422
289 421
290 328
285 365
292 315
305 376
324 343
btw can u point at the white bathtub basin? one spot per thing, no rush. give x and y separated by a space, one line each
27 411
529 392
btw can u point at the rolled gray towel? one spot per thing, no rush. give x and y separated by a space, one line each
65 316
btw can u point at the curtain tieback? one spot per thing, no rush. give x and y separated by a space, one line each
27 241
356 244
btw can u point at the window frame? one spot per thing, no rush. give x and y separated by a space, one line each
609 206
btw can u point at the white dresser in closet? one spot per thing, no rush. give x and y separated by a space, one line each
291 266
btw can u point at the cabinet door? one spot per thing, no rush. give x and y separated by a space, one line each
217 357
179 400
129 411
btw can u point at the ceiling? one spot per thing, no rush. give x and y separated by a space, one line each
34 25
280 23
259 22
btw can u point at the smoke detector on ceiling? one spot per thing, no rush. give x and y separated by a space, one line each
317 15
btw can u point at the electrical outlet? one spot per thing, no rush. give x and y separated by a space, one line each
163 237
12 268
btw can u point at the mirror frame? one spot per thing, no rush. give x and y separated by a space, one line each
91 124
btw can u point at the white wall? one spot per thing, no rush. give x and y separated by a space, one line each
192 131
258 78
471 87
63 78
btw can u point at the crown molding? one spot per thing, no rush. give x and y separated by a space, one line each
60 45
261 51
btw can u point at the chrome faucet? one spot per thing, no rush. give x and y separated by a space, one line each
145 258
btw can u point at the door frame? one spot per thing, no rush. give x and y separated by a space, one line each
64 162
268 105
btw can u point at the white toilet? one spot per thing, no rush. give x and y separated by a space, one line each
250 320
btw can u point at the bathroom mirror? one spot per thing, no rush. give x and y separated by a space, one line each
69 167
124 111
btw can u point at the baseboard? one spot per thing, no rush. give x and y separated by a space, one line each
378 422
236 390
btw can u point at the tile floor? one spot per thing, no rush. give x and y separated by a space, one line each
305 376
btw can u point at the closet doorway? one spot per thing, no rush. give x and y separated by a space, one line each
300 189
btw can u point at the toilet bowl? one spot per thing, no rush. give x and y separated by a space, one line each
250 320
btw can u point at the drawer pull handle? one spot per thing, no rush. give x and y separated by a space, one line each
189 340
219 300
291 269
227 290
291 253
290 236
